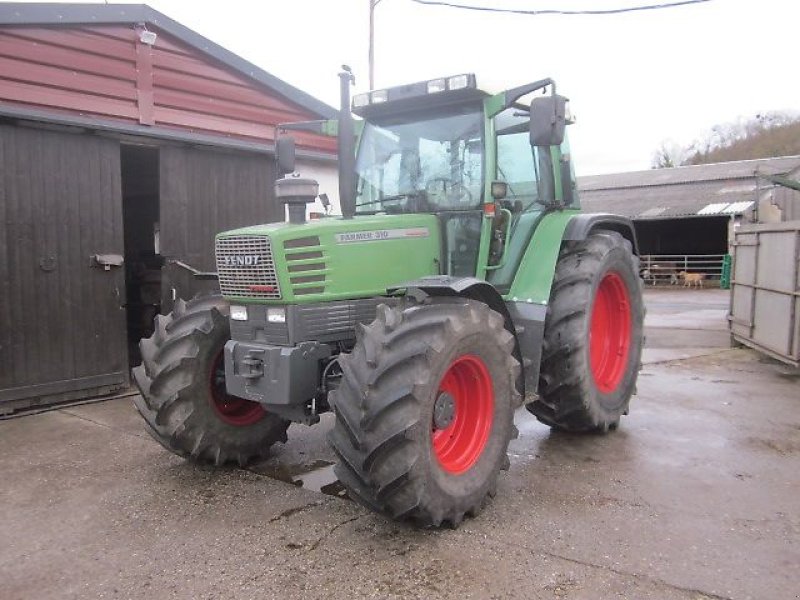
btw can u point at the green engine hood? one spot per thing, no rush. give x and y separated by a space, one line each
328 259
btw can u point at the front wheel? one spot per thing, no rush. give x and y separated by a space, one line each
424 412
593 336
183 399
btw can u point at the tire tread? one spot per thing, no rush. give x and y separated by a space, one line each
377 404
168 387
563 401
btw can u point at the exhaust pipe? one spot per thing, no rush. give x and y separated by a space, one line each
346 146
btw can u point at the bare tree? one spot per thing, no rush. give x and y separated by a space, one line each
669 154
762 136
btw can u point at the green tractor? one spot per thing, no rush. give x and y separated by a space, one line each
460 281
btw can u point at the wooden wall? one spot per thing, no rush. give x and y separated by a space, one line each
62 321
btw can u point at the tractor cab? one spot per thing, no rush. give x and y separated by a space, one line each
482 163
428 162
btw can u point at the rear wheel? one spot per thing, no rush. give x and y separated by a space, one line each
183 400
424 412
593 336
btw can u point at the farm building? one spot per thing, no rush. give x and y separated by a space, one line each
126 142
686 215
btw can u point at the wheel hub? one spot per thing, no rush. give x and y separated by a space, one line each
444 411
231 409
462 414
610 336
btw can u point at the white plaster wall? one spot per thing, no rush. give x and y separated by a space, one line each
326 174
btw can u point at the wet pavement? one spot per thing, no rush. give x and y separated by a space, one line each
697 495
682 323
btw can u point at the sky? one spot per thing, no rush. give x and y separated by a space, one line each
634 80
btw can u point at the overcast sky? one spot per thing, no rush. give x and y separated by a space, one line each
633 79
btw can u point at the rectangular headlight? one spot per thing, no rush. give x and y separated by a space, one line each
436 85
239 313
276 315
457 82
360 100
379 96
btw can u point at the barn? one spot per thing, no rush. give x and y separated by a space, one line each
686 216
126 142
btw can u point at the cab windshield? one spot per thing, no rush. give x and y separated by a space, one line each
423 165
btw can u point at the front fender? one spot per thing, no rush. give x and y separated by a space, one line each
474 289
468 287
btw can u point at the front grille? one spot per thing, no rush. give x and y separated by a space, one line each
334 320
325 322
246 267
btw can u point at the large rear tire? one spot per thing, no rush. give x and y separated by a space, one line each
182 390
424 411
593 336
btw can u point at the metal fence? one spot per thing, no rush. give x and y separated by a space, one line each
765 296
696 270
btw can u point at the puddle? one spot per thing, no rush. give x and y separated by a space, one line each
321 480
317 476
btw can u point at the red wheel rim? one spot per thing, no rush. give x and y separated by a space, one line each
231 409
610 334
467 386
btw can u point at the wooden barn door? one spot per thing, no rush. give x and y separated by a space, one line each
62 326
203 192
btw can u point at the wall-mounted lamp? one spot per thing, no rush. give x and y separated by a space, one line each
147 37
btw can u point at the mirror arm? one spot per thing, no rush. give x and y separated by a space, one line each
516 93
567 189
310 126
546 183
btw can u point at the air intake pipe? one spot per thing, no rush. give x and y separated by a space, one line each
295 193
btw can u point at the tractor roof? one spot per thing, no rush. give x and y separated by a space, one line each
422 95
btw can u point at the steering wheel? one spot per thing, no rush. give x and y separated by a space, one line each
453 192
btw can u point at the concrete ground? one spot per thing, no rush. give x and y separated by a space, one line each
696 496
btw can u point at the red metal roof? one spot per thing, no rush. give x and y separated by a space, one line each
106 71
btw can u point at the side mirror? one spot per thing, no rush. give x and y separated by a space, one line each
285 154
548 120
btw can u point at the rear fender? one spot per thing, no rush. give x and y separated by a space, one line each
527 299
583 225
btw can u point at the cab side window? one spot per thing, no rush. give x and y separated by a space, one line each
516 159
516 165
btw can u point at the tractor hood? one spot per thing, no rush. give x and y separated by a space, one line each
328 259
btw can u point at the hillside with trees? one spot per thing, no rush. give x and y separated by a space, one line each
763 136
